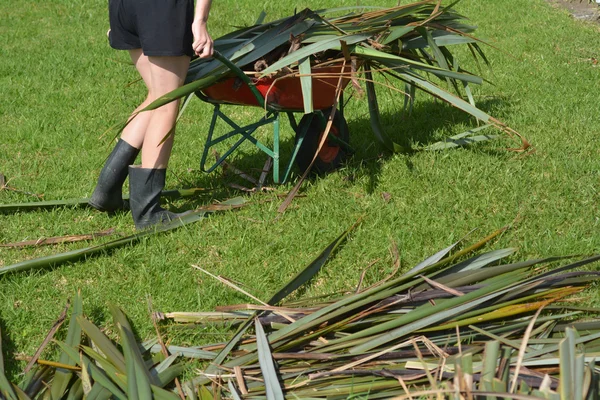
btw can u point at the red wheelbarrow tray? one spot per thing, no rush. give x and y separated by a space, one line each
283 93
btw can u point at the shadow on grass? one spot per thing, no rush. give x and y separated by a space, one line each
421 128
429 122
11 367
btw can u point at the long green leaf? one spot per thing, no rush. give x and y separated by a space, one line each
233 390
34 380
1 355
440 39
375 115
103 343
187 352
480 261
84 202
437 53
267 366
397 32
138 376
444 95
462 139
311 270
399 64
99 392
62 377
6 388
567 358
166 363
431 315
167 376
299 280
432 260
162 394
75 391
223 354
350 303
96 373
306 84
117 376
318 47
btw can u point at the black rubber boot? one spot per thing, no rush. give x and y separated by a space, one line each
145 185
108 195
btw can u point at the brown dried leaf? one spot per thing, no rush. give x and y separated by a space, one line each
57 324
59 239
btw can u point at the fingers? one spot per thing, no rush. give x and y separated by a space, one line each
207 50
203 47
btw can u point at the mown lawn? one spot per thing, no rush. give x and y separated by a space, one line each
63 87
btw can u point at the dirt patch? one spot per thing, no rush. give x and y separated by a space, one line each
580 10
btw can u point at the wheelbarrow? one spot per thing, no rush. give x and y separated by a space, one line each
276 96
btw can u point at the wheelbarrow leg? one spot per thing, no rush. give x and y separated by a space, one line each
211 130
276 149
244 131
300 134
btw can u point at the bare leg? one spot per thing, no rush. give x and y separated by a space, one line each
146 182
135 131
166 75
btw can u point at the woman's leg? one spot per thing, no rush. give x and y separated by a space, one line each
166 75
148 180
135 131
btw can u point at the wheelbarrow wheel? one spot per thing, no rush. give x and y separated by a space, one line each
332 154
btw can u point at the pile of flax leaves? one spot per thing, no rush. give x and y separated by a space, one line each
460 324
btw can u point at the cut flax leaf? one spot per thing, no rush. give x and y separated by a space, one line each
102 382
75 255
49 336
84 202
317 354
299 280
311 269
233 390
267 365
59 239
388 317
1 355
138 376
290 197
376 125
522 349
306 82
86 381
110 351
6 388
432 260
462 139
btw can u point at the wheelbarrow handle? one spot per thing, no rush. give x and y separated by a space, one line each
241 75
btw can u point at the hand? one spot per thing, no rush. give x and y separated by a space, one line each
203 43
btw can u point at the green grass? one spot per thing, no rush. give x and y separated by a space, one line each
62 87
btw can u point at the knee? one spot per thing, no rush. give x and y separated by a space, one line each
172 107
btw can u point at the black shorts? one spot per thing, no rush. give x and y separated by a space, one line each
158 27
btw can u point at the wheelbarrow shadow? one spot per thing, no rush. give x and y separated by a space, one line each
428 123
11 368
